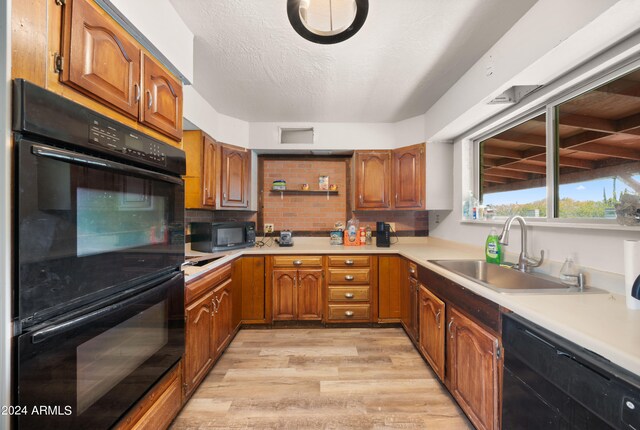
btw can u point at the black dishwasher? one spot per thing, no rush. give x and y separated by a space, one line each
552 383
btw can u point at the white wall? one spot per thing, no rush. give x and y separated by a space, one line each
559 35
164 28
329 135
410 131
221 127
5 209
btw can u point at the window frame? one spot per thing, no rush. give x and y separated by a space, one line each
550 108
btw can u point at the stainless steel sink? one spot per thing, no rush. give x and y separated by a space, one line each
506 280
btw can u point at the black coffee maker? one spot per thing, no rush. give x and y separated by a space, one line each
383 234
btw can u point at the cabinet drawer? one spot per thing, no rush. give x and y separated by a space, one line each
349 261
197 287
348 294
413 270
297 261
349 276
349 312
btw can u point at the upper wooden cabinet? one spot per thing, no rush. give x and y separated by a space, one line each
200 180
390 179
162 101
373 180
409 177
100 59
236 177
104 62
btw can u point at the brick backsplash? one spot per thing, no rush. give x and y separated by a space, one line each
299 212
408 223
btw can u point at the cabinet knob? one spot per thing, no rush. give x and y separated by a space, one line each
348 277
348 295
348 314
412 271
297 262
348 262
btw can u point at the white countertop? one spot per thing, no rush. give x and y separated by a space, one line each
599 322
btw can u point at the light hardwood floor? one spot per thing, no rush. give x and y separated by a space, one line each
321 379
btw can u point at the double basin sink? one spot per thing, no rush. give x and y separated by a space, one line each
507 280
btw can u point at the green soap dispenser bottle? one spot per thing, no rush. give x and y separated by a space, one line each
493 249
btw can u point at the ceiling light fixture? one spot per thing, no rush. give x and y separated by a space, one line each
327 21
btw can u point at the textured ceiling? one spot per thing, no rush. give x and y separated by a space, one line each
250 63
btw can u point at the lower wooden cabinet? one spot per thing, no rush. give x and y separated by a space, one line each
208 326
222 317
159 407
297 294
473 371
389 281
199 343
251 275
432 332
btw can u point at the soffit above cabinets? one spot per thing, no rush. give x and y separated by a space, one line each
250 63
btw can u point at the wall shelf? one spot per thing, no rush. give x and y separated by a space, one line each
303 192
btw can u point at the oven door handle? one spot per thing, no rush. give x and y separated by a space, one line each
98 163
55 330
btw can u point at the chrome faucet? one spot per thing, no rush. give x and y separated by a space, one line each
525 263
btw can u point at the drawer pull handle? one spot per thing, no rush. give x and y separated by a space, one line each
450 332
348 314
348 295
297 262
348 277
348 262
438 318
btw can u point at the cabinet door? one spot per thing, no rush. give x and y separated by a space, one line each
284 294
209 172
253 289
408 177
373 180
432 319
413 309
309 300
235 178
99 58
473 370
198 341
405 295
162 99
389 274
223 316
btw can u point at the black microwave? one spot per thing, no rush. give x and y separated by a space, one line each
221 236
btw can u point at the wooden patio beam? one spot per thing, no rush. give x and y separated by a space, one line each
506 173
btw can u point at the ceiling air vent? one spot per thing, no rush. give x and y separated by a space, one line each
300 135
513 95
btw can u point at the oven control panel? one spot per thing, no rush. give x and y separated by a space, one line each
108 135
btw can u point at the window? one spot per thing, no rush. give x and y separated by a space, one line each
596 151
598 146
513 170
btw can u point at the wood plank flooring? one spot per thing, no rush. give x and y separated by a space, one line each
355 378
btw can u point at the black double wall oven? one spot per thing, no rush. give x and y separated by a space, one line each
99 239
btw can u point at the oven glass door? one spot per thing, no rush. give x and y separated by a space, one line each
89 227
86 372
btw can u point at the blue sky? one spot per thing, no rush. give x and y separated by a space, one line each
584 191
